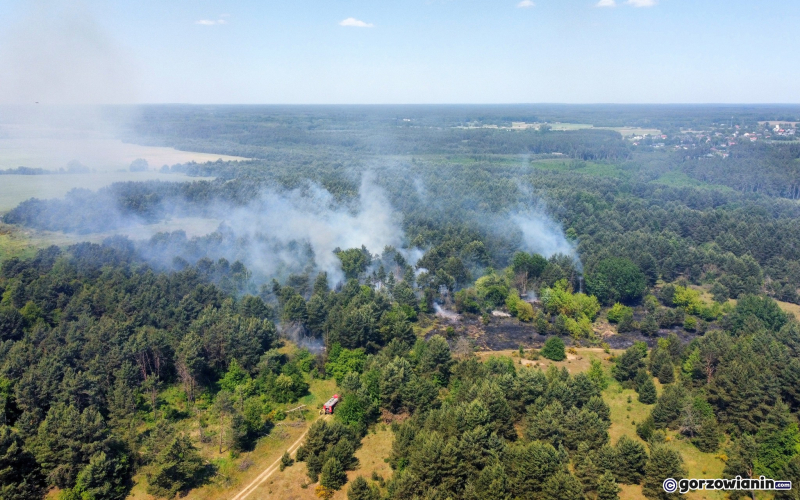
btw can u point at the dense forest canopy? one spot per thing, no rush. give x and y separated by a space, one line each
361 246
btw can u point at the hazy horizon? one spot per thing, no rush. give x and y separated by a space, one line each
414 52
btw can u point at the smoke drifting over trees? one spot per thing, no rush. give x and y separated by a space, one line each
274 234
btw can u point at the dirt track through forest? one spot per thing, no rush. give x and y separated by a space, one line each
258 481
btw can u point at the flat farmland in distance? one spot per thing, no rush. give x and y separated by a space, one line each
625 131
14 189
96 152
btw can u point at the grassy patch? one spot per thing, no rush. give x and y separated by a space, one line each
575 363
234 473
623 416
581 167
790 308
14 244
289 483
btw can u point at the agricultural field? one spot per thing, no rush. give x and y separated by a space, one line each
52 150
14 189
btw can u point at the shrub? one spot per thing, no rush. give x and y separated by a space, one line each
619 312
286 460
554 349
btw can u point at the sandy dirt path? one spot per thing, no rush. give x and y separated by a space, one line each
258 481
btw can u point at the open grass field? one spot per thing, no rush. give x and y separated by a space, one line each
624 131
790 308
705 295
14 243
630 131
626 411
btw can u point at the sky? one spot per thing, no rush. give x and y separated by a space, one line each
398 52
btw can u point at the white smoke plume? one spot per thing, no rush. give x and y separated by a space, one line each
542 235
292 232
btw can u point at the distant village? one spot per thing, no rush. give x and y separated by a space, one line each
720 139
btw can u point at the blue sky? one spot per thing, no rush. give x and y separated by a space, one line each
407 51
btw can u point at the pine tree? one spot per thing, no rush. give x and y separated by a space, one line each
20 475
666 375
360 489
607 488
104 477
631 461
597 405
790 472
645 428
333 475
640 379
175 468
585 469
562 486
629 362
664 463
597 375
669 406
647 392
286 461
708 436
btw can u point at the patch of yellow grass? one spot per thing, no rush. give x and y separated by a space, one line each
697 463
13 244
574 363
288 484
790 308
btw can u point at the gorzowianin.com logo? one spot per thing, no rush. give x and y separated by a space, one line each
685 485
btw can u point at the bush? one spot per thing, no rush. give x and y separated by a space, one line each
619 312
554 349
286 461
525 312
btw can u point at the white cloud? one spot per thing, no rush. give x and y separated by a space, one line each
524 4
210 22
606 3
355 23
641 3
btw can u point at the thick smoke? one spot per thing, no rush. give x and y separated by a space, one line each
296 231
314 218
542 235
